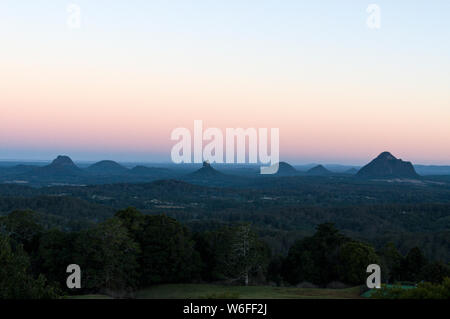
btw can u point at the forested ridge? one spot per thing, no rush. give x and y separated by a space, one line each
281 209
132 250
180 232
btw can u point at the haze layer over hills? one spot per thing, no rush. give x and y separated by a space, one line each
63 170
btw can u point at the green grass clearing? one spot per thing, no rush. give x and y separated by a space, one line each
208 291
195 291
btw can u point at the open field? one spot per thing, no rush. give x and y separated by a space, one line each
97 296
202 291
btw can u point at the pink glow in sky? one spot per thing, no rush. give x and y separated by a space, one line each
110 91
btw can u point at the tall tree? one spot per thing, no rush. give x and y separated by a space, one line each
107 256
391 262
413 264
168 253
243 253
16 280
354 258
55 253
316 258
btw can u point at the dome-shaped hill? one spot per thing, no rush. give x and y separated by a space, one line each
107 167
318 170
61 166
285 169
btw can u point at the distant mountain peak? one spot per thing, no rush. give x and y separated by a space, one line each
60 168
318 170
387 156
286 169
107 167
62 160
206 171
106 163
387 165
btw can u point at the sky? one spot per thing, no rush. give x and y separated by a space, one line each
116 87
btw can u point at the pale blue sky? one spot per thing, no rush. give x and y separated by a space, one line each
324 43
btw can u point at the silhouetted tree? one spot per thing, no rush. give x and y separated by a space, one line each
354 258
16 280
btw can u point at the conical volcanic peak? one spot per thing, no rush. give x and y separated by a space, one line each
386 165
206 171
285 169
107 167
386 156
61 161
318 170
206 164
60 167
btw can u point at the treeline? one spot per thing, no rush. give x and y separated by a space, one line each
64 212
407 225
424 290
122 254
281 210
305 191
328 256
132 250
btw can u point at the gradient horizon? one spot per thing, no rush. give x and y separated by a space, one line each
115 89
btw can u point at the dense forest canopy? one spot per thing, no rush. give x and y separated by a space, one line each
281 209
317 231
132 250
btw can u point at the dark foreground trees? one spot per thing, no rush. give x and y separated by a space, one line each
107 256
424 290
126 252
167 251
329 256
17 281
233 254
354 257
315 259
132 250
